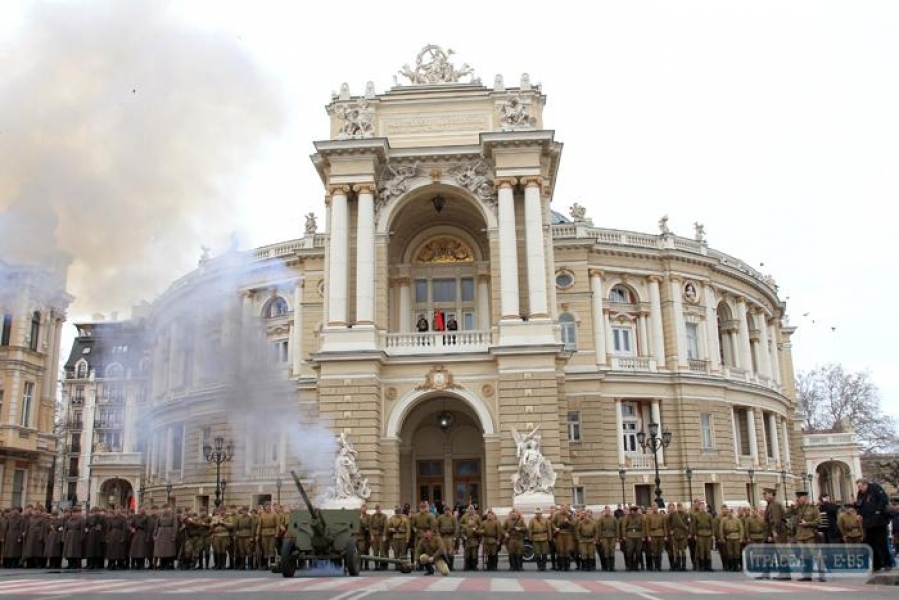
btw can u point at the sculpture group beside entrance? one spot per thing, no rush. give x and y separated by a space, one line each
350 489
534 483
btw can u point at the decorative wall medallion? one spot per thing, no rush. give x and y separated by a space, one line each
438 378
390 394
321 288
487 390
691 292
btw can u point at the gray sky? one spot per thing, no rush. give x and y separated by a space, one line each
773 123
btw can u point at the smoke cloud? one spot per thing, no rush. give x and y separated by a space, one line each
123 133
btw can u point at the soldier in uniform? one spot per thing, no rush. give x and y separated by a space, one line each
243 538
679 532
139 526
515 529
587 536
730 533
850 526
775 526
116 553
656 535
448 528
93 545
152 517
633 530
702 532
430 552
492 531
35 530
806 519
398 533
220 529
563 532
377 526
53 540
607 534
164 538
470 531
755 527
539 529
695 508
363 536
420 521
266 530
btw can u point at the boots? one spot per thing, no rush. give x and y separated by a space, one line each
541 562
611 563
429 569
658 562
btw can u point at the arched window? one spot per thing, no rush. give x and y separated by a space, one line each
276 307
81 369
115 371
35 330
569 331
620 294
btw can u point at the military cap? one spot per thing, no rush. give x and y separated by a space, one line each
635 507
769 490
801 493
538 510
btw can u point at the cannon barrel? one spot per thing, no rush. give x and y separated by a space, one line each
296 480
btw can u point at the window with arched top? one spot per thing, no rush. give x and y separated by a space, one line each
274 308
569 331
35 330
115 371
621 294
81 369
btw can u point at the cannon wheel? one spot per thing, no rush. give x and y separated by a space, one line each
528 554
351 559
288 561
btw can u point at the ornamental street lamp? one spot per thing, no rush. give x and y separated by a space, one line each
751 473
168 494
783 477
622 474
689 473
224 483
278 487
809 477
218 454
140 493
655 443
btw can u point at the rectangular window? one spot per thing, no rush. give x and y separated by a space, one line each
7 329
421 291
629 437
27 399
578 496
742 429
75 442
79 395
177 447
769 441
692 341
467 289
574 426
444 290
705 428
621 340
279 351
467 321
18 488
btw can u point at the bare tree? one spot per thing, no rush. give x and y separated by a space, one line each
833 400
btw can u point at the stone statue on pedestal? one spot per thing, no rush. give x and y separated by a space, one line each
349 484
535 472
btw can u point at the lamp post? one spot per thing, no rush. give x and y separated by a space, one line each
168 494
622 474
224 483
751 473
278 487
783 477
218 454
811 490
689 473
655 443
140 493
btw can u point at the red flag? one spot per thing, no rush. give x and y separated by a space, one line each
438 320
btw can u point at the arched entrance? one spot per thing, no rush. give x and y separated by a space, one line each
442 457
115 493
834 477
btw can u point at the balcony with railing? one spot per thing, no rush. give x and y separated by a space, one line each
828 439
633 363
129 459
437 342
640 461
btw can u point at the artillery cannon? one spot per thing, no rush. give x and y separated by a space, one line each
316 534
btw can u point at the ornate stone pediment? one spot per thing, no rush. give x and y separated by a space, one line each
438 378
444 250
432 66
357 119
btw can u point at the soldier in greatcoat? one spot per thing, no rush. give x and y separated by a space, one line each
679 532
95 531
35 531
116 551
53 540
164 536
4 524
152 517
73 538
563 533
492 531
15 538
139 525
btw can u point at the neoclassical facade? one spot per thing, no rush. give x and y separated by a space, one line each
438 197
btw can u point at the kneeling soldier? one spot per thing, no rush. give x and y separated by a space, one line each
431 553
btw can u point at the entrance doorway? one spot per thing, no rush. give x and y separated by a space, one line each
430 481
467 482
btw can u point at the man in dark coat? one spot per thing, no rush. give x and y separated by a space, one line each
829 515
164 538
73 538
53 540
139 525
35 530
95 527
872 505
15 538
116 552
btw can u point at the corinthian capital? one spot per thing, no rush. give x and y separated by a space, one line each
364 188
338 188
505 182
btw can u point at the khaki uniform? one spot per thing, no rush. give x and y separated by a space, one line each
755 529
657 532
563 533
492 532
266 530
633 531
806 519
679 532
363 537
448 528
703 531
587 534
539 529
850 528
608 534
398 535
731 532
431 553
244 531
515 530
221 540
377 526
421 521
470 531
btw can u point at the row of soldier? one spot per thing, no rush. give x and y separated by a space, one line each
151 537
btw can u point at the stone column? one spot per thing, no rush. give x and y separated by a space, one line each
297 345
736 427
761 321
365 254
785 434
745 355
483 302
775 444
642 336
655 322
619 429
534 241
775 362
680 329
338 261
656 416
405 316
599 334
711 320
753 436
508 251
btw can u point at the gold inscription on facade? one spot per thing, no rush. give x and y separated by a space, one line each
444 250
437 123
